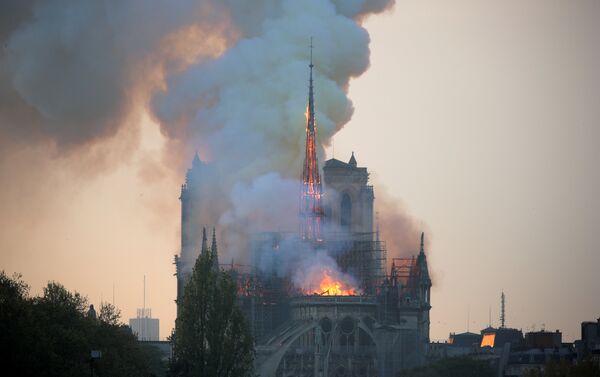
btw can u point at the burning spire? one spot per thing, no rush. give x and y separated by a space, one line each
311 211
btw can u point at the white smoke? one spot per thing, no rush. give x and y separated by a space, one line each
268 203
286 255
244 110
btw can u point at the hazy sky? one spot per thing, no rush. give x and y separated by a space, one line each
480 117
483 117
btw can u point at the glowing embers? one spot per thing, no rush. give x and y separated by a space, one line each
307 116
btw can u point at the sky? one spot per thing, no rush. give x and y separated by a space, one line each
483 118
480 119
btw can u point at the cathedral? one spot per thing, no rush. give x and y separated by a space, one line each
376 327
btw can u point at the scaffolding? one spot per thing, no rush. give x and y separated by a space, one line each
361 255
404 273
265 294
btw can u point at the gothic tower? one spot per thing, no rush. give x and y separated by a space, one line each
349 196
201 181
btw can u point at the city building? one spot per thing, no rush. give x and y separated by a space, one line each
543 339
466 339
589 345
144 327
497 338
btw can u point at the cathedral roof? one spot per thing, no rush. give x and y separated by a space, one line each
333 163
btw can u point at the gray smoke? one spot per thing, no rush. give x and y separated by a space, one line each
227 78
398 228
72 71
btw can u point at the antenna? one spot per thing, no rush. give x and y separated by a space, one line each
144 306
468 317
502 310
490 317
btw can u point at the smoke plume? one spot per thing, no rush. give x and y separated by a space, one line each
228 79
398 228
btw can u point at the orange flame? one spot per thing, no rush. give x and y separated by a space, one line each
332 287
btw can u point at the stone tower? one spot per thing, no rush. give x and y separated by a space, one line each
349 204
201 181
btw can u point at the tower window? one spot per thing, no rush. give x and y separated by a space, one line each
346 213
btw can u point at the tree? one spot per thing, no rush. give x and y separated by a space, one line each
51 335
211 338
109 314
563 368
452 367
15 314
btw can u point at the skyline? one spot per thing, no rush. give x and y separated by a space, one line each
490 145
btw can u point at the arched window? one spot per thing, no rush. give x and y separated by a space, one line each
346 213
